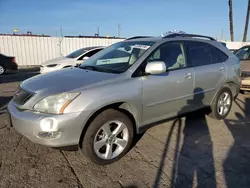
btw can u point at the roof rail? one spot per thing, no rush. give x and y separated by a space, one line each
138 37
188 35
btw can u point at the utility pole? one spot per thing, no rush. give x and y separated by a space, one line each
98 31
60 41
119 30
222 35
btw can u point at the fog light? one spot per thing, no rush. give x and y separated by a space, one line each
48 125
49 135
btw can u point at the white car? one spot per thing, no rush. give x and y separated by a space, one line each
71 60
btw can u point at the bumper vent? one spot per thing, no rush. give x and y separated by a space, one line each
21 96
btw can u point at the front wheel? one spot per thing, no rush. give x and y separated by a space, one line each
222 104
108 137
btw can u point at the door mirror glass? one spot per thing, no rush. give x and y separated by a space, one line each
155 67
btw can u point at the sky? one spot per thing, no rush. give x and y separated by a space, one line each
137 17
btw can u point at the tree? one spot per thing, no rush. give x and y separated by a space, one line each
246 24
231 27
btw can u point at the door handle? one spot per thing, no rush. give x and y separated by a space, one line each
222 69
188 76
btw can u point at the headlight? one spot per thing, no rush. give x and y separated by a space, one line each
52 65
55 104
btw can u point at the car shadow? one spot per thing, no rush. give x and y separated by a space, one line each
237 164
195 157
17 76
3 103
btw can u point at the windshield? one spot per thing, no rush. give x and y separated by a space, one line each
76 53
243 53
118 57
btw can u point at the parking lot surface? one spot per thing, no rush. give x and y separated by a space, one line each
194 151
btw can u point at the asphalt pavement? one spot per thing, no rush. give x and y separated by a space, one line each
194 151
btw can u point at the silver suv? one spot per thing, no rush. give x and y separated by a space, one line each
120 91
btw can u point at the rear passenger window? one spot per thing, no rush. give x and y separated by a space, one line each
204 54
199 54
217 55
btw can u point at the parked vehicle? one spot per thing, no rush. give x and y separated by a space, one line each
102 104
244 55
73 59
234 50
7 64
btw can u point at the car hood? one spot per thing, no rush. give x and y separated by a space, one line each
57 60
71 79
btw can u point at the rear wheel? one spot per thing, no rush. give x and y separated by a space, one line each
222 104
108 137
2 70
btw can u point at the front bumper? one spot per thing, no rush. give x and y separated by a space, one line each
12 67
27 123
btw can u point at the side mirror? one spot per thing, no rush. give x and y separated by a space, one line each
156 67
85 58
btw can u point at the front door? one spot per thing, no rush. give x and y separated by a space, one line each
168 94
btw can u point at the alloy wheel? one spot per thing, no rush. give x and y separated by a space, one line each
111 139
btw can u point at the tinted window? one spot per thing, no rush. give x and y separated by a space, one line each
89 54
204 54
173 54
217 55
76 53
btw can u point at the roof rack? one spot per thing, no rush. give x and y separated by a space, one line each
138 37
188 35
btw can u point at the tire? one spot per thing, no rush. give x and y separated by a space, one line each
107 120
2 70
215 111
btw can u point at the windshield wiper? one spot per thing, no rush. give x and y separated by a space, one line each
99 69
89 67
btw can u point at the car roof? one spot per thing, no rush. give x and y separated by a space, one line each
171 37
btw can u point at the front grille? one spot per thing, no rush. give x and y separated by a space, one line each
21 96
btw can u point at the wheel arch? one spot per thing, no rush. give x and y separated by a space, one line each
231 85
123 107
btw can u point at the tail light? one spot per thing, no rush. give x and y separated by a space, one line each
13 60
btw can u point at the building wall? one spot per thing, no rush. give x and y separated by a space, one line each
35 50
236 45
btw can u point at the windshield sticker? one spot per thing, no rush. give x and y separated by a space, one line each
143 47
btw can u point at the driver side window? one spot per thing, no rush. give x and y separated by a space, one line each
172 54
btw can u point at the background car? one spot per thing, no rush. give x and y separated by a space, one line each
234 50
244 55
75 58
7 63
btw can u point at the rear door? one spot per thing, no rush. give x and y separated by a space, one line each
209 68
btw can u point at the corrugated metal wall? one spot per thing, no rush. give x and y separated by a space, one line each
35 50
